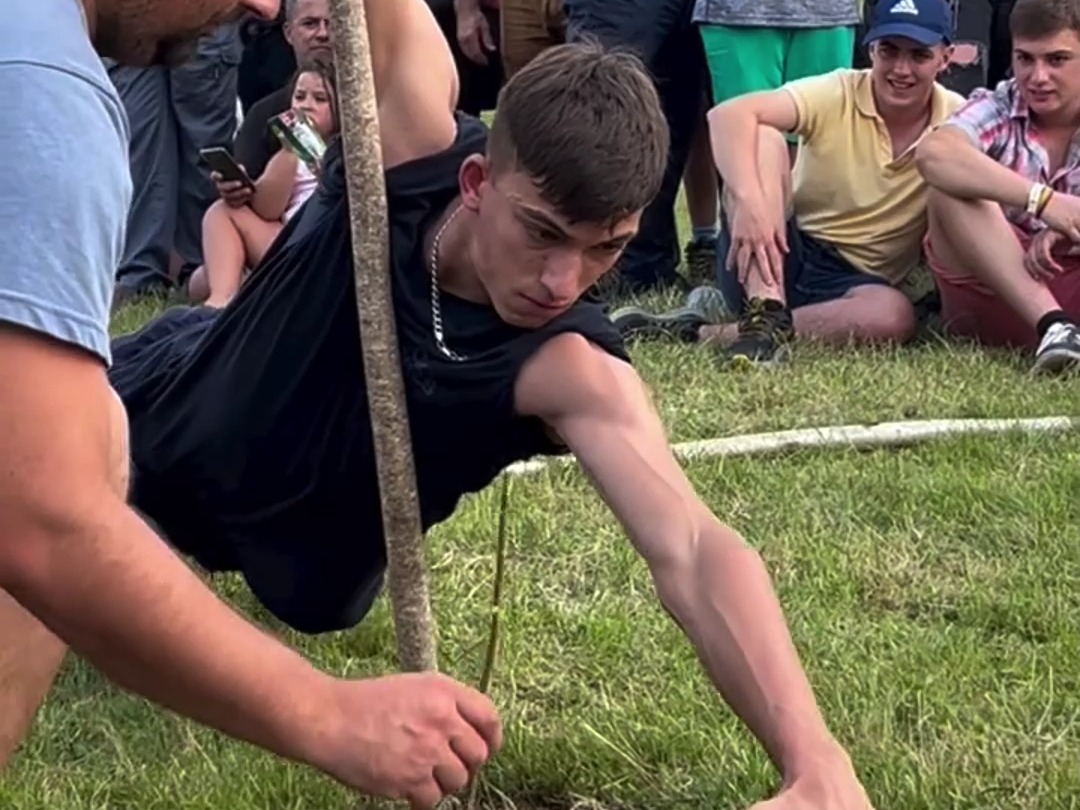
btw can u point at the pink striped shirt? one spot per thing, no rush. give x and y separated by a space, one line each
998 122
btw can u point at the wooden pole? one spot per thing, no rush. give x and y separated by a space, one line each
406 567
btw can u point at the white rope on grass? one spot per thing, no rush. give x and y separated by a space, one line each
884 434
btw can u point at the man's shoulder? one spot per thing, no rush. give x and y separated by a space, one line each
574 368
944 103
848 79
1002 101
66 173
48 40
835 93
440 165
270 105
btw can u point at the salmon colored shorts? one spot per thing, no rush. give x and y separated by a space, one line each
970 309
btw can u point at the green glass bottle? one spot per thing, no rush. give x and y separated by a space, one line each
299 137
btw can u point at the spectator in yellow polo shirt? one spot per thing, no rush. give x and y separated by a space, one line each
818 251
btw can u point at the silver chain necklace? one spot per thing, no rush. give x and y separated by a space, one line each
436 306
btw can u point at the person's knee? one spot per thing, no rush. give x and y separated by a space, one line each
944 210
217 212
887 314
198 286
936 200
316 605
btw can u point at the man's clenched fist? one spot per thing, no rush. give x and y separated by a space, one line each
417 737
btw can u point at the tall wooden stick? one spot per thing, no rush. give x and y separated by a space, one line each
407 570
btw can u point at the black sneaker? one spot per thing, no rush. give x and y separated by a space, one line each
680 324
765 330
1059 350
699 256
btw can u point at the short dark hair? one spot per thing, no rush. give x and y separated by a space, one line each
584 122
1038 19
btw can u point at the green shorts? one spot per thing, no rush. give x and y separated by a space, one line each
744 60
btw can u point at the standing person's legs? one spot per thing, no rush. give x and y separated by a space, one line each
742 60
204 103
478 84
761 55
814 51
528 28
660 31
702 187
30 655
154 174
1000 58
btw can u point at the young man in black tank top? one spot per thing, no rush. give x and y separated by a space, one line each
250 430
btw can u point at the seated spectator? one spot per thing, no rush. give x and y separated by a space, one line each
307 30
1004 171
235 238
819 252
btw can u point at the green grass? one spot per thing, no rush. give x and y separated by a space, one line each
933 592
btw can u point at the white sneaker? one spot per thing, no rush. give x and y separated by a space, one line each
1059 349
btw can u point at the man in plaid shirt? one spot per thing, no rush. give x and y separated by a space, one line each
1004 210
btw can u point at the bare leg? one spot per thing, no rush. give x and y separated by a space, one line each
685 322
30 655
198 287
233 238
29 660
869 313
774 173
972 237
866 314
701 184
223 254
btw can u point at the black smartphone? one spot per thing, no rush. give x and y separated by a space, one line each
221 161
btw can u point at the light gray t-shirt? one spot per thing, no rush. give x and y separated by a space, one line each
65 181
777 13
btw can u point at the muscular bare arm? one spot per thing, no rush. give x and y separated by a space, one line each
733 133
714 586
950 162
78 558
416 83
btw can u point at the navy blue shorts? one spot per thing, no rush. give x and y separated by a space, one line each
814 271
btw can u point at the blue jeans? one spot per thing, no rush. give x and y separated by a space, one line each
662 34
814 272
174 112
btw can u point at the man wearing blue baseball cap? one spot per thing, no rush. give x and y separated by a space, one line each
823 250
927 22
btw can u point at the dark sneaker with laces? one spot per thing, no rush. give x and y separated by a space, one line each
765 332
682 324
699 256
1059 350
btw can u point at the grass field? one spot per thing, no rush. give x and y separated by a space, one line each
933 591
